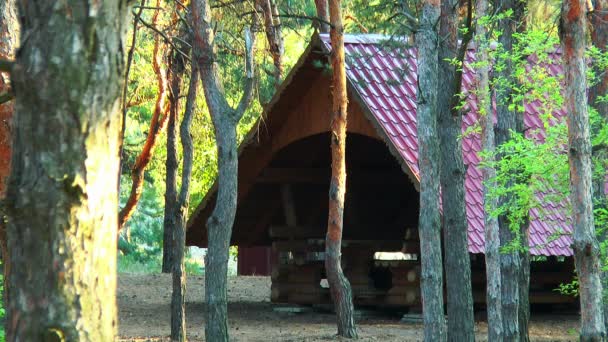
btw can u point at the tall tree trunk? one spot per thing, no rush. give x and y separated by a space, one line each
272 27
428 142
341 291
178 299
599 37
61 196
225 120
169 221
157 125
523 314
586 250
524 283
177 68
506 123
492 239
461 324
323 14
9 39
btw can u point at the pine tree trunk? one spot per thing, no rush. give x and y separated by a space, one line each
220 230
586 249
506 123
177 68
272 27
492 240
524 285
599 37
225 120
178 299
61 196
9 38
461 324
524 232
171 210
340 289
428 141
323 14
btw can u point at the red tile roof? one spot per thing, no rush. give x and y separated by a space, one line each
385 80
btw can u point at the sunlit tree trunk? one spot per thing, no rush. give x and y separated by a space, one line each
225 119
340 289
458 280
492 239
599 37
506 123
586 250
61 196
9 38
323 14
428 142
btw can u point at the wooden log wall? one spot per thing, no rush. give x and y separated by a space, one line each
395 283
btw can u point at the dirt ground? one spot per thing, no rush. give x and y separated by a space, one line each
144 315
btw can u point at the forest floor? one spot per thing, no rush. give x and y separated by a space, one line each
144 301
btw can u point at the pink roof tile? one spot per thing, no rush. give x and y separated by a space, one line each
385 78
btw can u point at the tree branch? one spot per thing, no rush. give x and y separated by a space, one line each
305 17
165 37
157 125
250 75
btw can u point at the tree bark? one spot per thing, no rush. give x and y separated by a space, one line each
61 195
157 125
461 324
506 123
524 229
492 239
225 119
9 39
177 68
586 249
599 37
339 286
178 299
428 142
272 27
171 165
323 14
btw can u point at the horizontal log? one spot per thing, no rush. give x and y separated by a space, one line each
385 301
323 175
352 232
318 245
536 297
538 279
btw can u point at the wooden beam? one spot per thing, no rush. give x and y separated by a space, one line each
322 176
351 232
318 245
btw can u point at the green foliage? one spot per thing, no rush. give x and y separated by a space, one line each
569 289
533 166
